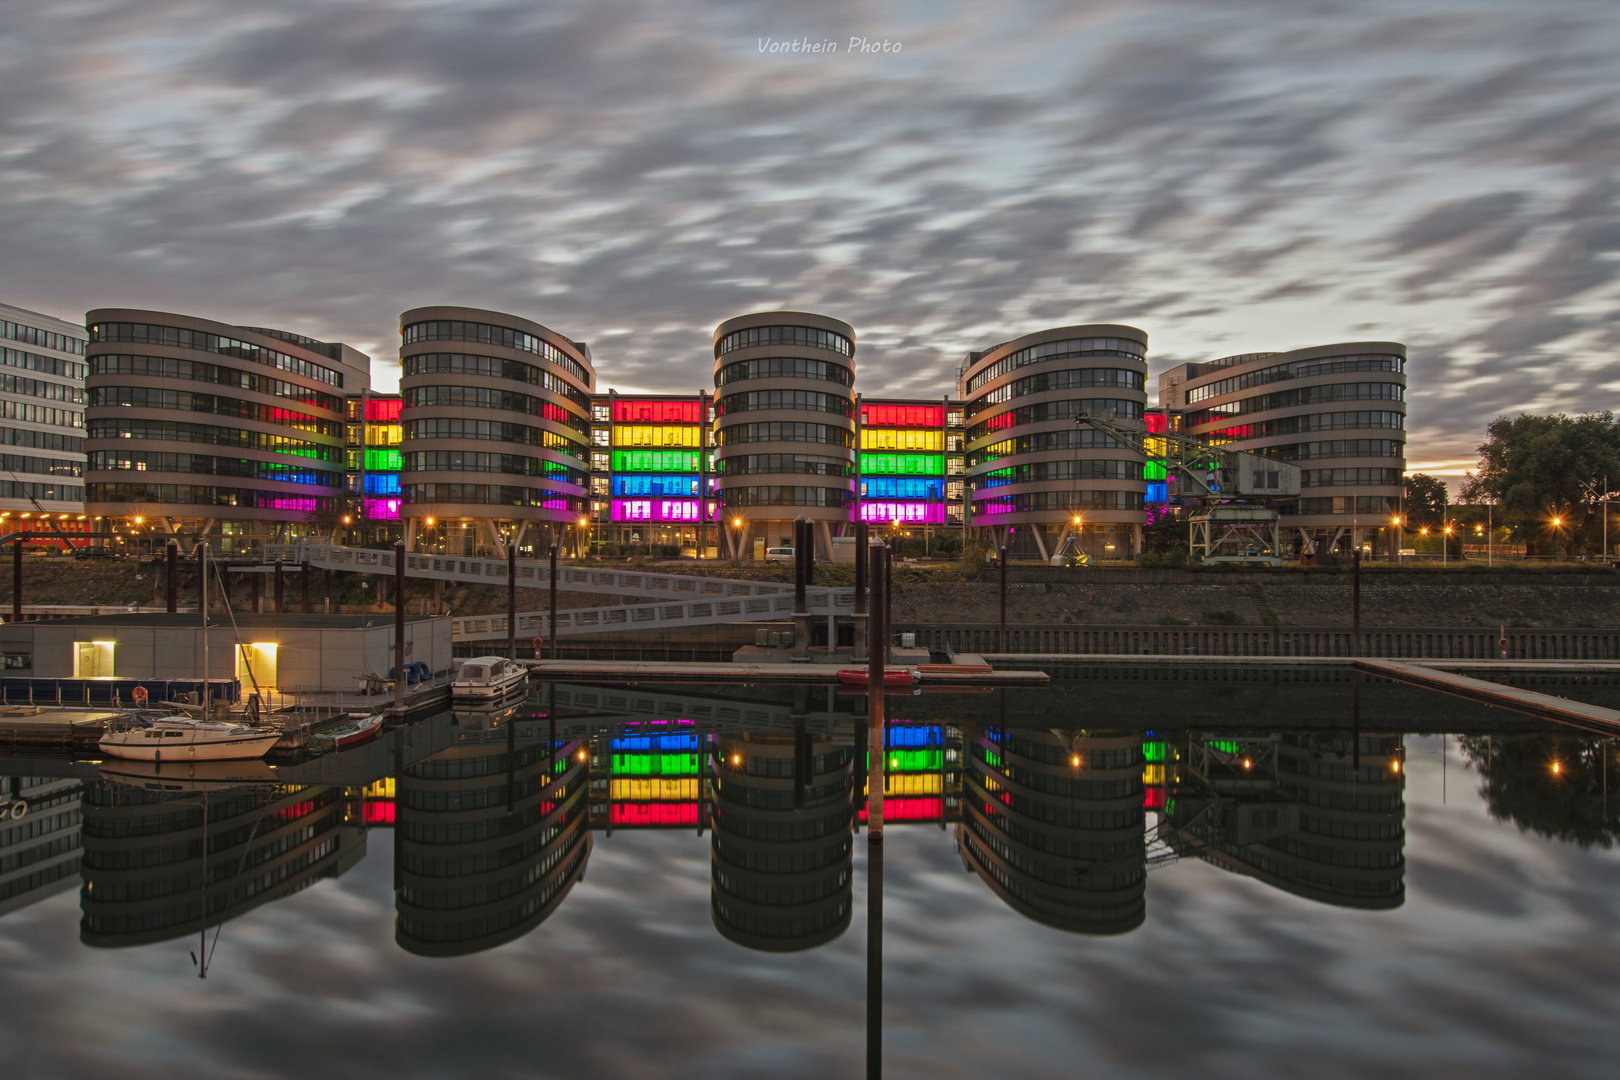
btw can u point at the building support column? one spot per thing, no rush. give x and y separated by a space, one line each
1040 542
826 540
1136 541
410 534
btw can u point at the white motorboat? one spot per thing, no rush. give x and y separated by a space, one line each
182 738
486 678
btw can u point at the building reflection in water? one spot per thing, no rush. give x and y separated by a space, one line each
490 835
782 848
175 856
39 838
1053 823
1302 812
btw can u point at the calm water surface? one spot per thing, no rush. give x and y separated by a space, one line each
1162 910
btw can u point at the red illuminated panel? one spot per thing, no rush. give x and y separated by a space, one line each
1155 423
903 415
1153 797
682 813
911 808
384 410
656 412
379 813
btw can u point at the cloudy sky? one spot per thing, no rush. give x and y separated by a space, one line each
1229 175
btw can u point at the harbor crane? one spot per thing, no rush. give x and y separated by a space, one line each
1234 521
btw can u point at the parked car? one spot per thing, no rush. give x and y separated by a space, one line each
779 554
94 552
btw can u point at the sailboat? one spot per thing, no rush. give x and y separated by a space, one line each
183 738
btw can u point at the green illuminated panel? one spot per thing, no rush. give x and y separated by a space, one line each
912 760
655 764
1154 471
992 758
382 460
902 464
1225 746
1153 751
685 461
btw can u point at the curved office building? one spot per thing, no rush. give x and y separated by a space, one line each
497 428
1336 411
489 841
1334 836
785 426
193 424
782 848
1033 472
1060 843
168 857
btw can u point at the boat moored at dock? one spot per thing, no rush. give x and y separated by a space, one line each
488 678
181 738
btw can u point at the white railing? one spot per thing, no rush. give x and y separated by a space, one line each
531 573
653 616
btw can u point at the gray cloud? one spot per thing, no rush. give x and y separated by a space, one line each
1441 173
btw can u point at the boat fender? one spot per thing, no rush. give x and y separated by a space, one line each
157 755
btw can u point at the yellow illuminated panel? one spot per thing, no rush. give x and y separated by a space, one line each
384 434
655 435
381 789
902 439
912 784
1152 774
655 789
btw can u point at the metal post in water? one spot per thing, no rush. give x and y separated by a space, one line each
399 626
511 597
888 605
875 742
801 574
862 546
1355 602
281 591
303 586
1001 565
874 957
16 579
174 574
327 600
551 627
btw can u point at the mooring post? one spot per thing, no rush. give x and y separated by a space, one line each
326 603
862 547
801 573
511 597
16 579
303 586
281 591
202 581
1001 566
888 605
399 626
876 744
174 576
1355 601
258 595
551 627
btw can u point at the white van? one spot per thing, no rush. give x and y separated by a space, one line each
779 554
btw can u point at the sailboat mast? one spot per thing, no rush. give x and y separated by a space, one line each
203 603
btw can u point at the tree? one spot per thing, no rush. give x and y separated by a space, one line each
1426 499
1164 533
1533 468
1553 785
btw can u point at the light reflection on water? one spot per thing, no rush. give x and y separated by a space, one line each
1114 920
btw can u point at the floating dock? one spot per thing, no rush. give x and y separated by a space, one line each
1593 718
803 674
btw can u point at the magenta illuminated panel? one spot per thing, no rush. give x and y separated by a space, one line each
658 510
382 509
908 513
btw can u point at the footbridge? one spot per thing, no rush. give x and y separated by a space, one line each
685 599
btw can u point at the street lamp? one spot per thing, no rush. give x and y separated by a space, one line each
585 533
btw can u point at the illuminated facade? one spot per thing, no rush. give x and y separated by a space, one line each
650 781
1054 826
650 457
42 426
168 858
206 429
1336 411
1033 472
911 463
785 417
497 429
490 837
373 433
922 774
783 845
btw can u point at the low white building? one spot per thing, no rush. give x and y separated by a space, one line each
288 653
